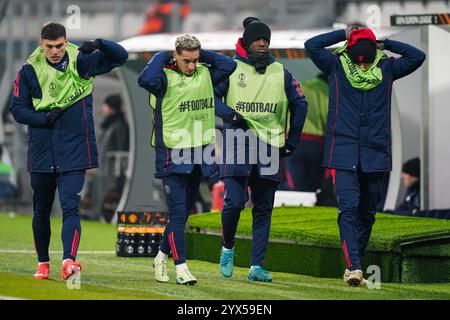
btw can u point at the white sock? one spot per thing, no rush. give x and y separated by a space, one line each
225 249
39 263
64 261
161 256
181 267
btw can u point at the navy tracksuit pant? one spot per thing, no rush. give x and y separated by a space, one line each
181 190
69 185
358 194
262 196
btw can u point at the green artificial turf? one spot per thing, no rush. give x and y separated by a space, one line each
318 226
306 241
106 276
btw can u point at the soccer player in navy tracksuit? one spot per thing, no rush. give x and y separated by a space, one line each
358 138
258 80
53 97
174 80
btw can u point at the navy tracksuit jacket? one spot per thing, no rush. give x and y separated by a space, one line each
181 181
59 154
238 177
358 137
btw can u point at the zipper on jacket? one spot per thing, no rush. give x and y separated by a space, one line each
85 122
361 114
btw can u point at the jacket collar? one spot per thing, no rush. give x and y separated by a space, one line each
61 65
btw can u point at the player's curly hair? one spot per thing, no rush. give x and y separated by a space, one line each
187 42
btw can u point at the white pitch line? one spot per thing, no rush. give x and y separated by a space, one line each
10 298
55 252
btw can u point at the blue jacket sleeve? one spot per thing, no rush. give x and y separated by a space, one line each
221 89
109 56
153 78
411 58
298 107
222 110
316 48
21 106
221 66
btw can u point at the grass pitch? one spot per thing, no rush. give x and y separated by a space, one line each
106 276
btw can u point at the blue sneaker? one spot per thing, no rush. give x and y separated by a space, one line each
226 262
259 274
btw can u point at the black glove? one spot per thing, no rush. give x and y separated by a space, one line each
53 114
381 45
286 150
90 46
236 120
349 30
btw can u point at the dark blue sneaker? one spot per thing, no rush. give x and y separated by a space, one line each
226 262
259 274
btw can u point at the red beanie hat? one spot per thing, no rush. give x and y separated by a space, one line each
358 34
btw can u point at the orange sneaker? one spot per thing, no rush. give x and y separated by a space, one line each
69 268
43 271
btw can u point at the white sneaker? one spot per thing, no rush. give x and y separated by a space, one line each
186 278
364 282
161 274
353 278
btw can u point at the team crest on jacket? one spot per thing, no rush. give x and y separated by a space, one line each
241 82
64 65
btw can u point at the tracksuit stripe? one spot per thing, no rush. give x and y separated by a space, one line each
334 120
289 180
167 159
388 112
87 133
75 241
173 247
16 84
344 248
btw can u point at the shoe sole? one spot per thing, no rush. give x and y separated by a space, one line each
40 277
258 280
67 277
353 282
188 283
74 271
162 281
226 275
